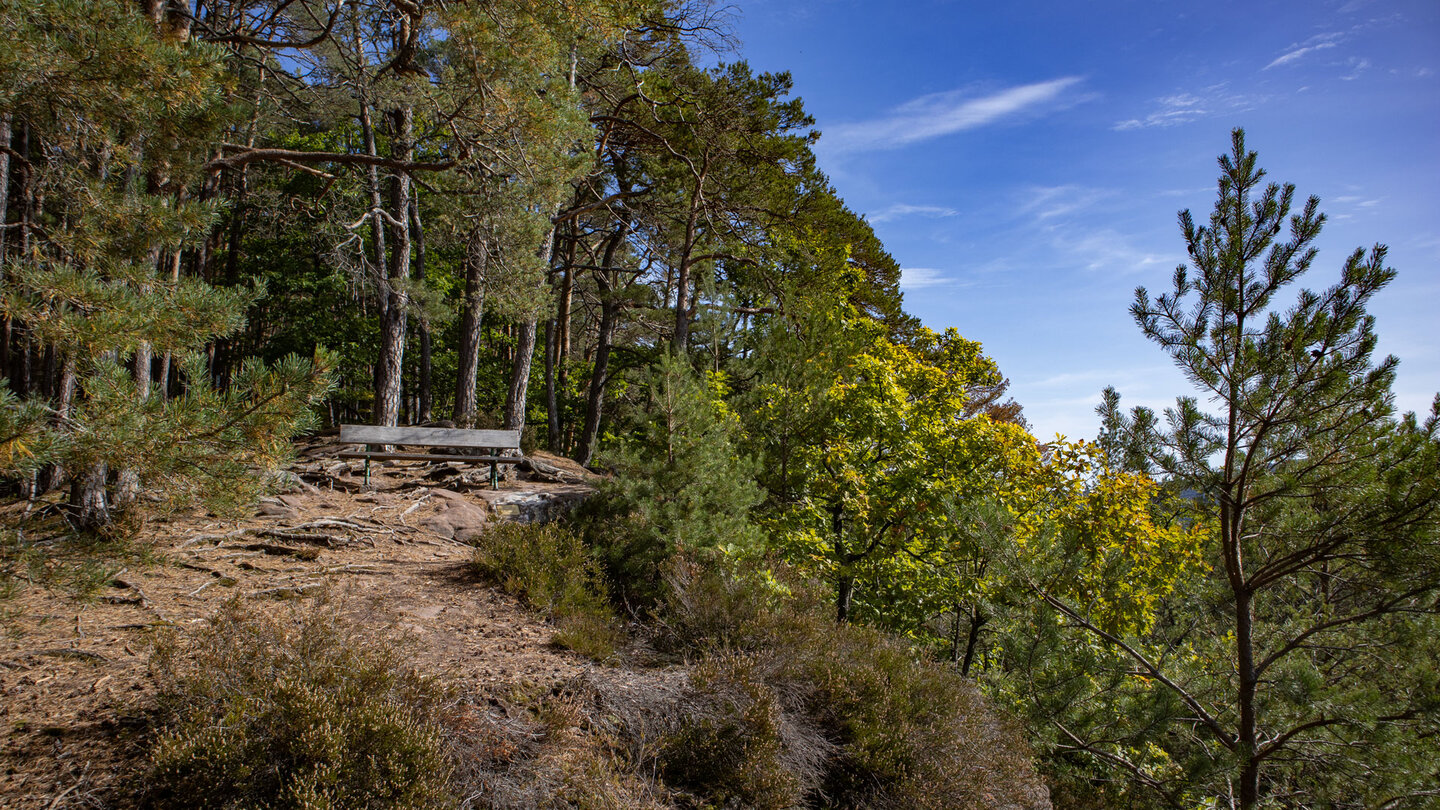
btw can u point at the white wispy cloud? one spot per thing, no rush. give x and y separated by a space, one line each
1182 108
1298 50
1113 252
1357 65
1052 202
941 114
902 210
920 278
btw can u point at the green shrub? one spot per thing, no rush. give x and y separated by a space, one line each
294 708
901 730
549 567
679 483
730 745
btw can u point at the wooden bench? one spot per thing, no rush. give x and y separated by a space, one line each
484 445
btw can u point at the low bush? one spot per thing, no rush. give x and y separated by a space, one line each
896 730
736 744
294 708
548 566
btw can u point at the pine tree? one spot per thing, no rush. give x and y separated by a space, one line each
1304 666
119 109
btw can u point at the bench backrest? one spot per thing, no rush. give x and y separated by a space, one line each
430 437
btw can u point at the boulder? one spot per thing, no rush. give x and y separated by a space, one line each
457 520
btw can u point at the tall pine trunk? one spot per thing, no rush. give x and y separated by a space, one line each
393 319
425 403
471 319
680 341
609 315
62 398
552 409
518 390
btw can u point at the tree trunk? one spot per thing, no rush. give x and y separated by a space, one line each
595 400
1247 738
4 185
127 484
20 382
552 410
88 502
166 358
63 397
606 279
424 405
845 580
393 319
519 387
680 342
844 591
562 336
471 317
977 621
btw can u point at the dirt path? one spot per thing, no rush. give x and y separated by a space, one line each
74 679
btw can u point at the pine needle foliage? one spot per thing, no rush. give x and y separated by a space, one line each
119 116
1300 657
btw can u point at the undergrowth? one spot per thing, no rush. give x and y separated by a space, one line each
766 702
294 708
550 568
789 708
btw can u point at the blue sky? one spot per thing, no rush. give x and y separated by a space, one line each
1024 161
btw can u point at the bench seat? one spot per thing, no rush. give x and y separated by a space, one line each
486 446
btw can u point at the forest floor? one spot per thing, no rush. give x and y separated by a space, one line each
77 626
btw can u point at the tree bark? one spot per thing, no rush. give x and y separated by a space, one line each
552 409
393 319
5 323
519 386
977 621
127 484
471 318
595 398
88 501
683 306
844 592
4 185
562 335
166 358
609 311
62 398
845 580
425 403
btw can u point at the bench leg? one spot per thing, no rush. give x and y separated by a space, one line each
367 472
494 475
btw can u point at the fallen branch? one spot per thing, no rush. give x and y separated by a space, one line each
201 538
303 537
298 553
193 567
331 523
289 590
331 481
